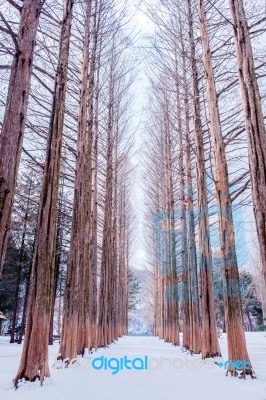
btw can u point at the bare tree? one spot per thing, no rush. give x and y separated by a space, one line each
254 121
34 360
209 341
237 349
16 111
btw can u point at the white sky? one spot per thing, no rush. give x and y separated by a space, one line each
143 26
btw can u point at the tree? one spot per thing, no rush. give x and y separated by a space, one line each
133 290
15 113
254 120
209 340
237 349
75 314
34 359
194 328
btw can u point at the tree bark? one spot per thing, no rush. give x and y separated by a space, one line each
88 290
173 305
185 307
74 326
106 288
58 251
15 115
195 334
24 312
236 341
34 359
20 264
209 340
254 121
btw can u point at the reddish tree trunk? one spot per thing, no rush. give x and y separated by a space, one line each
75 318
209 342
236 341
15 115
34 359
185 307
254 121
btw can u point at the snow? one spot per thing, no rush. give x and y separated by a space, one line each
188 383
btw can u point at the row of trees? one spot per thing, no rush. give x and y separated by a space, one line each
70 75
65 171
205 155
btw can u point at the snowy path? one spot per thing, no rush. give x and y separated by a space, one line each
187 383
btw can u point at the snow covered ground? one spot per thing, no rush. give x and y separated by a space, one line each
186 380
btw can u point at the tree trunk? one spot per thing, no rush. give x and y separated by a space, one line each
74 326
58 251
106 294
122 263
94 217
195 336
24 312
171 277
236 341
249 320
20 264
106 289
34 359
183 228
209 341
88 292
15 115
254 121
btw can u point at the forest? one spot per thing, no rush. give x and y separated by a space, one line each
132 180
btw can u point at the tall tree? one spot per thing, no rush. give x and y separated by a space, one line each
183 227
15 113
195 339
20 267
34 359
75 314
106 292
236 341
254 121
171 276
209 339
88 292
